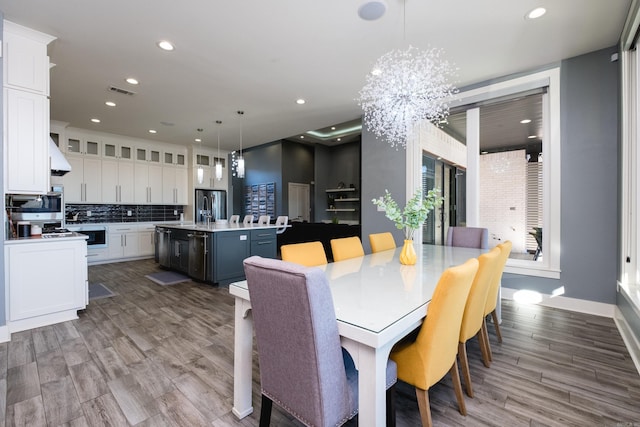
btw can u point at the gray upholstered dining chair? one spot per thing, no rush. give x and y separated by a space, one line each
468 237
314 380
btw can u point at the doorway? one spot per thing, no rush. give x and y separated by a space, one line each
299 202
450 181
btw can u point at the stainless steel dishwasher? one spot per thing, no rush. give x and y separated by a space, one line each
163 247
198 255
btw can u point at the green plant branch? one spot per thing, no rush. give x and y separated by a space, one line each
415 212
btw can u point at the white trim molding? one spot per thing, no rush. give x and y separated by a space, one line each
570 304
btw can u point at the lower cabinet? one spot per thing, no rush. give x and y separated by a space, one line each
50 293
180 250
264 243
123 241
146 240
230 249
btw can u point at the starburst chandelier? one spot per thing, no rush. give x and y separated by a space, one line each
405 87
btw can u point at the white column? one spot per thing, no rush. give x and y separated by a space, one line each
473 167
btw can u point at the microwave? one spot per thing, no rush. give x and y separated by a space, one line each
39 208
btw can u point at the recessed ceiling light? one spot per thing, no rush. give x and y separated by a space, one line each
153 131
339 139
197 140
300 101
532 136
110 103
525 121
333 128
165 45
301 136
132 81
95 120
536 13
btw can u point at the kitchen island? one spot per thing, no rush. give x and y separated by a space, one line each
47 280
213 253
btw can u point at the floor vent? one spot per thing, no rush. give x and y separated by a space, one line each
121 91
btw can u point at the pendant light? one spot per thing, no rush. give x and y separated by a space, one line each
240 164
218 160
200 172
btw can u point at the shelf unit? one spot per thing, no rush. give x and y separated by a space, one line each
343 200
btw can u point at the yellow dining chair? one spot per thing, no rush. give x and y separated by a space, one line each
474 313
309 254
381 242
425 361
346 247
492 296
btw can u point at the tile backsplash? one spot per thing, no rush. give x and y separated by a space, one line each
92 214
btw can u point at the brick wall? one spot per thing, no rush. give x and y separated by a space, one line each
503 195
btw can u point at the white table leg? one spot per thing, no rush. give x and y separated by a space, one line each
242 359
372 386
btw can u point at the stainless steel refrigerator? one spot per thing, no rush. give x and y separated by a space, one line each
211 204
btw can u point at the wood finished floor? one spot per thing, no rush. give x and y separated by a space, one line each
163 356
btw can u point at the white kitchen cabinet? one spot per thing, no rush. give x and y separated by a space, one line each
117 181
26 64
26 142
51 292
146 240
123 241
151 155
174 185
84 146
116 150
148 183
83 183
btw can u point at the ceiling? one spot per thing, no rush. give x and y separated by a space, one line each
260 57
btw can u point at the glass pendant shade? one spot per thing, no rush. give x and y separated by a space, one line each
219 171
240 168
200 175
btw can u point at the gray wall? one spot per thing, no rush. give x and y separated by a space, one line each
3 314
590 141
383 168
589 131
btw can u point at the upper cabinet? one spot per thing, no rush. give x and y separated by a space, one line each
26 65
26 109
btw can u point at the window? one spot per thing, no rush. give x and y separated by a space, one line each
535 196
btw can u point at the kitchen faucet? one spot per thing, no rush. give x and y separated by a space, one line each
206 212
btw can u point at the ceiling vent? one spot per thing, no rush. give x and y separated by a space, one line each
121 91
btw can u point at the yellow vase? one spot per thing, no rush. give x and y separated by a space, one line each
408 253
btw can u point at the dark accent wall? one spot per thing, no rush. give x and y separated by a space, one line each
298 167
335 165
383 168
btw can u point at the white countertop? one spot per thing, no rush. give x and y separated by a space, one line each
40 239
214 227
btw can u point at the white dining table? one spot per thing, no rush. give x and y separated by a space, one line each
377 301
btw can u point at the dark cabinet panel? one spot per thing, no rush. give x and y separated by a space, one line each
230 249
264 243
180 255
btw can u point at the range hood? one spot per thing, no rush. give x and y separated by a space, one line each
59 165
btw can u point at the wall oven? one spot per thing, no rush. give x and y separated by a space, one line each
97 235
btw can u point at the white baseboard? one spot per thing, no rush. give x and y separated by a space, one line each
5 336
571 304
629 338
